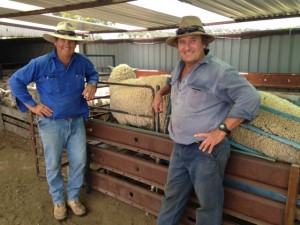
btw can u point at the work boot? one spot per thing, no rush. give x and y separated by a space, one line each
77 208
60 211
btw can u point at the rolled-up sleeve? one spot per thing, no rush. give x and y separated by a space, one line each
18 84
92 75
245 97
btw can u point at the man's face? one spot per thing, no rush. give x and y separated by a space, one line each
65 47
191 48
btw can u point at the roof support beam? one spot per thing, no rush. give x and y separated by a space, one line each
65 8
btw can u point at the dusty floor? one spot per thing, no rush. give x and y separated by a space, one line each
25 199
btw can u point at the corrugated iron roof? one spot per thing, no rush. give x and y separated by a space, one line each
120 11
248 10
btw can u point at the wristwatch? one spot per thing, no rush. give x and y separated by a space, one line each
224 128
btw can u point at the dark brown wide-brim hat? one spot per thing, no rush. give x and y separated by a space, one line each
194 23
64 30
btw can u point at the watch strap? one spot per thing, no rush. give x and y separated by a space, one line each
224 128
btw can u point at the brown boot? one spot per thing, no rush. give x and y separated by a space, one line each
77 208
60 211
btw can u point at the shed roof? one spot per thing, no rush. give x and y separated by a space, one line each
120 11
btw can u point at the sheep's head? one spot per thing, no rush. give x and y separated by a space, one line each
121 72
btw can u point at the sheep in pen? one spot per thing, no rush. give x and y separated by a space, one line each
131 98
6 98
274 133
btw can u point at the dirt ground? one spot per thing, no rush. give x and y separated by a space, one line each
25 199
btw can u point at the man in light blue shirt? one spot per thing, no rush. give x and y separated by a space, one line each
65 80
209 98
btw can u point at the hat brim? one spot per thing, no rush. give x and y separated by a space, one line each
52 37
172 41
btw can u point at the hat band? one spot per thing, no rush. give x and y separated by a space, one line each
189 29
66 32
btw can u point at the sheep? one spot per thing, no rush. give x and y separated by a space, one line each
137 101
8 100
96 104
4 93
279 125
97 101
132 105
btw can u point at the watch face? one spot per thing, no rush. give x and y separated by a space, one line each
222 126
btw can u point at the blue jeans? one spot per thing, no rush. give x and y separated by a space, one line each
191 169
57 135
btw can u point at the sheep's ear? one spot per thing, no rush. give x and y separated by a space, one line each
111 67
134 69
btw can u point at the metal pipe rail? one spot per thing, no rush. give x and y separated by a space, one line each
109 109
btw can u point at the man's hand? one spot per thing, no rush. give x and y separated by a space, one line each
40 110
157 103
216 136
211 139
89 91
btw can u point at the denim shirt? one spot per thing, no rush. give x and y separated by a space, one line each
211 92
59 87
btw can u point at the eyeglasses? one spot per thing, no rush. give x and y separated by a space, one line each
66 32
189 29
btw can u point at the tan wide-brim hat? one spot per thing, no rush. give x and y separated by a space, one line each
190 22
64 30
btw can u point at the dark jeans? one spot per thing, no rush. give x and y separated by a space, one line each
191 169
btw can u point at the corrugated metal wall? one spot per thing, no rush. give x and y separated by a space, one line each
10 31
267 54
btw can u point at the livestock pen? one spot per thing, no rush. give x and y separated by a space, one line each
130 164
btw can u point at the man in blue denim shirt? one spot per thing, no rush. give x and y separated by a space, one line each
60 78
209 98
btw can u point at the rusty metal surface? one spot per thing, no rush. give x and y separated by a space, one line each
147 142
146 73
293 191
268 80
235 216
254 206
146 171
127 192
273 80
267 172
138 174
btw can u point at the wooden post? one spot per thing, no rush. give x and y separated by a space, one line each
1 120
33 142
293 188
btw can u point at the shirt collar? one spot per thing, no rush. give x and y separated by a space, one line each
53 54
205 60
181 64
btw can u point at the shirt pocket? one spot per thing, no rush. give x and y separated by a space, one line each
78 82
54 83
195 99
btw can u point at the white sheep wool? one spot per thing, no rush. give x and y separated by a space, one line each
275 132
276 129
132 105
121 72
6 98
